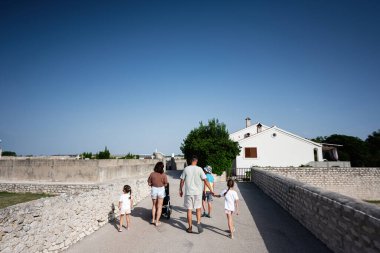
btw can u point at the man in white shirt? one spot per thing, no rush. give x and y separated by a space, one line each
193 178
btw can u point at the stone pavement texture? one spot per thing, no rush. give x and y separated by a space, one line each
262 226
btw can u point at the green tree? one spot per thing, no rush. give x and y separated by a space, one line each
131 156
320 139
8 153
354 149
373 144
85 155
212 145
103 154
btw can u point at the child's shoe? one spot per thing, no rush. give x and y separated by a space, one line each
204 214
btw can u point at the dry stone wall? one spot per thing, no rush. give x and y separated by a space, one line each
72 171
344 224
47 188
53 224
360 183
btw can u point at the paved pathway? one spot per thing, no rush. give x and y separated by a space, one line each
262 226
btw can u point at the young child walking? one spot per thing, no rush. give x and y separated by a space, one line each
231 204
207 196
125 206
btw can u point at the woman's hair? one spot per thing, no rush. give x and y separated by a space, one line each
159 167
230 184
127 189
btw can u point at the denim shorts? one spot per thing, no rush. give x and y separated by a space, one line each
207 197
157 192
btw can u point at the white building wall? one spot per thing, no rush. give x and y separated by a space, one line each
252 130
281 150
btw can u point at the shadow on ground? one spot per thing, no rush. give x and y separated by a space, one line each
280 231
142 213
175 174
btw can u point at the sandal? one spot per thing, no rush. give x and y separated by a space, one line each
158 223
152 221
189 230
120 230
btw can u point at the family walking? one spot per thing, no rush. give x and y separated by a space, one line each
196 184
197 189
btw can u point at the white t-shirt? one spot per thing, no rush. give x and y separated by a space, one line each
193 177
125 201
229 199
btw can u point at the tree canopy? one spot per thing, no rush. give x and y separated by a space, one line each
373 144
212 145
103 154
358 152
8 153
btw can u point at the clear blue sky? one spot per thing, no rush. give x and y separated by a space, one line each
139 75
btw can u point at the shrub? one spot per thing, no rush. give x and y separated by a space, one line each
212 145
103 154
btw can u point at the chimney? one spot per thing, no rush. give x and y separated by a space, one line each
247 122
259 127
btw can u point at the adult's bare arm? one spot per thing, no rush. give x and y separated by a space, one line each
209 186
180 187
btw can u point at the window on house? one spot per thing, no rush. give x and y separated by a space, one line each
250 152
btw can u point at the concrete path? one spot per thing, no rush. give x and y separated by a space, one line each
262 226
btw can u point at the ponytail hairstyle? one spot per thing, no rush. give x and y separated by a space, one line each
230 184
127 189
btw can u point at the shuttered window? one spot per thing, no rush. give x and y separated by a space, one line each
250 152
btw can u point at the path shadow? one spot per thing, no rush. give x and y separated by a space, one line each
280 231
142 213
181 222
175 174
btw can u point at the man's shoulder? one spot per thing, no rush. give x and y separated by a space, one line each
192 167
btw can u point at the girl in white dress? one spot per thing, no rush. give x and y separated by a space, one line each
231 204
125 206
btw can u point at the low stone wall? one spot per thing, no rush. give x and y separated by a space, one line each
47 187
72 171
360 183
53 224
344 224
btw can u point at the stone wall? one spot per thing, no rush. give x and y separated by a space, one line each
47 187
53 224
360 183
72 171
344 224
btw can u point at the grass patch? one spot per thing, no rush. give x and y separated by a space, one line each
10 198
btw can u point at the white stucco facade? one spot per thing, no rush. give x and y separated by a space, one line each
275 147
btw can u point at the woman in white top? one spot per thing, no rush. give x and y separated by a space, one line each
125 206
231 204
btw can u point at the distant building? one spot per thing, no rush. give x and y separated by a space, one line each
264 146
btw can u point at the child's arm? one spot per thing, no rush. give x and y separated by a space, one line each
119 205
217 195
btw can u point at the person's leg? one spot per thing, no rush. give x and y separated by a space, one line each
189 217
154 203
204 208
197 206
127 220
198 215
209 209
230 224
121 222
158 210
